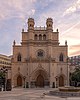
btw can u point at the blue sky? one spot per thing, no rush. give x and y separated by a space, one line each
14 15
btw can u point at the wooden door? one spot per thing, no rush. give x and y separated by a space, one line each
40 81
61 81
19 81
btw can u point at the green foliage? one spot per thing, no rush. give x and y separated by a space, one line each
2 75
75 76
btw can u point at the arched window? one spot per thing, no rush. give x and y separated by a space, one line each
61 57
19 57
40 37
44 37
35 37
30 24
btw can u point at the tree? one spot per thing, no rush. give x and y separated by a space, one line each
2 78
2 75
75 76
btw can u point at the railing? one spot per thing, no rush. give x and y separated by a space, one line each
40 28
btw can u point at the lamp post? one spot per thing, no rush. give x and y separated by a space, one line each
24 81
1 76
67 73
3 81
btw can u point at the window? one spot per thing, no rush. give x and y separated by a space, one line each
40 37
30 25
61 57
35 37
40 53
44 37
19 57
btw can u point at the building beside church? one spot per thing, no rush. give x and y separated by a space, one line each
40 60
5 68
5 63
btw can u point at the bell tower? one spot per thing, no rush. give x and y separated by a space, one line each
49 24
31 28
31 24
49 28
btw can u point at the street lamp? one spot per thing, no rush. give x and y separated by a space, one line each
3 77
24 81
67 72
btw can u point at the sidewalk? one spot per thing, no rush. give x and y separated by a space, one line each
30 94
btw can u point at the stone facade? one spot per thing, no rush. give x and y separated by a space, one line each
39 61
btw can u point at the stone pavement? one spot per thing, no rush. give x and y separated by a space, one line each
31 94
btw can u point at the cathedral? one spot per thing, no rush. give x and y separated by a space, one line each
39 60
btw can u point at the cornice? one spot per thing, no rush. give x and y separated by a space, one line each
33 60
36 60
33 42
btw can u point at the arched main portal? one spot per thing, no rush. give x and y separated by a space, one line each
39 78
19 81
40 81
61 81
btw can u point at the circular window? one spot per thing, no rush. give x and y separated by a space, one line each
40 53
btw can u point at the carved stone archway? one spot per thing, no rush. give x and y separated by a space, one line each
40 77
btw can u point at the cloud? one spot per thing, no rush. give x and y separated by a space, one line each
74 50
16 8
14 15
75 46
71 28
73 8
74 53
70 10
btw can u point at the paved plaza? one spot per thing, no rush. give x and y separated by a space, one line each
31 94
